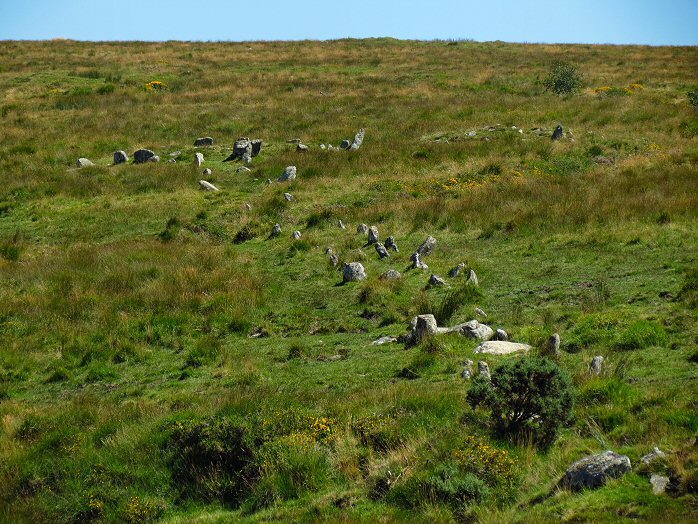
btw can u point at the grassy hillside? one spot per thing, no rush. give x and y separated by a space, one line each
162 358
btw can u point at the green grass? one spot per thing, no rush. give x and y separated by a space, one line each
133 304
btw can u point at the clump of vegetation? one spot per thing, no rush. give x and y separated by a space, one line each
529 398
563 79
641 334
693 97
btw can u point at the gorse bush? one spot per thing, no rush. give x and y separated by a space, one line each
530 398
563 79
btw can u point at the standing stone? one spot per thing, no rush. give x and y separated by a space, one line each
391 274
207 186
289 174
345 144
373 235
391 244
142 155
296 235
467 369
334 259
484 369
256 147
362 229
593 471
501 335
424 328
557 134
120 157
276 230
84 162
155 158
417 262
456 270
198 159
288 197
203 142
301 148
353 272
380 248
207 172
358 140
659 483
553 345
596 365
473 329
427 246
437 281
341 225
472 279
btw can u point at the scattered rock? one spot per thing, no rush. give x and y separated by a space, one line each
293 141
603 160
207 186
391 274
391 244
84 162
593 471
120 157
289 174
456 270
596 365
354 271
276 230
248 206
301 148
467 369
245 169
296 235
480 312
659 483
373 235
473 329
557 134
198 159
362 229
472 133
142 155
341 225
501 347
242 150
334 259
358 140
553 345
417 262
380 248
288 197
424 327
345 144
155 158
427 246
472 279
322 146
483 369
437 281
383 340
256 147
207 172
501 335
203 142
654 455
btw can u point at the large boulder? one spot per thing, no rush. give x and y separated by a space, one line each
289 174
120 157
203 142
473 329
358 140
593 471
424 327
198 159
373 236
501 347
142 155
354 271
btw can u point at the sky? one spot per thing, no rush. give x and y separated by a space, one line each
652 22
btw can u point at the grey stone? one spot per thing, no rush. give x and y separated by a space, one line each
558 133
171 161
417 262
155 158
256 147
593 471
289 174
383 340
427 246
198 159
334 260
501 335
354 271
373 236
345 144
175 154
296 235
276 230
501 347
553 345
483 369
242 150
203 142
207 186
480 312
269 181
654 455
473 329
391 244
120 157
244 169
391 274
424 328
472 133
362 228
293 141
84 162
437 281
456 270
248 206
358 140
329 251
380 249
288 197
142 155
207 172
323 147
341 225
467 369
472 279
596 365
660 483
301 148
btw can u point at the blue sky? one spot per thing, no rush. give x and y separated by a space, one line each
654 22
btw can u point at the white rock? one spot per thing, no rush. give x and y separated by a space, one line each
207 186
501 347
198 159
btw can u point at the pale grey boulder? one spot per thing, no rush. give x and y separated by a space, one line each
276 230
353 272
296 235
142 155
198 159
207 172
373 236
501 347
596 365
380 249
203 142
472 279
288 197
594 471
358 140
289 174
383 340
391 274
467 369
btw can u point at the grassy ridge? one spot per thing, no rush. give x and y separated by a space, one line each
128 296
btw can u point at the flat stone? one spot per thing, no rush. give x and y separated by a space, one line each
301 148
501 347
203 142
593 471
354 271
84 162
289 174
383 340
207 186
391 274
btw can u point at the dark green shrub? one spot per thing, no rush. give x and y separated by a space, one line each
693 97
563 79
529 397
205 351
641 334
106 89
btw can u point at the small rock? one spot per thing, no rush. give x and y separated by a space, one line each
203 142
207 172
391 244
288 197
155 158
480 312
467 369
380 248
322 146
383 340
198 159
207 186
358 140
329 251
472 133
501 335
353 272
301 148
660 483
334 260
142 155
171 161
84 162
289 174
417 262
345 144
120 157
472 279
245 169
437 281
501 347
362 229
296 235
373 235
654 455
256 147
553 345
456 270
596 365
593 471
424 327
427 246
473 329
483 369
248 207
391 274
175 154
276 230
557 134
603 160
293 141
341 225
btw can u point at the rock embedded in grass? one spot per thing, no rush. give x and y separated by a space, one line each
472 279
198 159
288 197
345 144
456 270
553 345
427 247
142 155
373 236
84 162
501 335
207 186
391 274
558 133
289 174
362 229
483 368
659 483
467 369
207 172
391 244
424 327
383 340
596 365
380 249
501 347
417 262
341 225
480 312
437 281
358 140
472 329
593 471
120 157
203 142
353 272
276 230
301 148
655 454
296 235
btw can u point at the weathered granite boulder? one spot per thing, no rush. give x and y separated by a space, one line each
288 197
593 471
501 347
501 335
362 229
276 230
289 174
656 454
483 369
391 244
417 262
427 246
467 369
84 162
558 133
383 340
473 329
207 172
120 157
198 159
437 281
472 279
391 274
301 148
380 249
296 235
207 186
424 328
456 270
553 345
358 140
596 365
354 271
142 155
373 236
